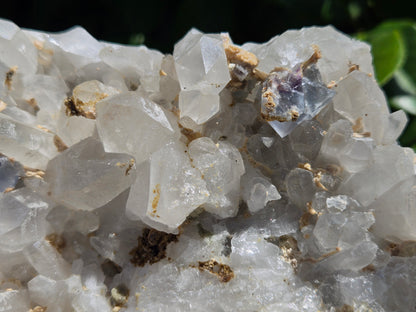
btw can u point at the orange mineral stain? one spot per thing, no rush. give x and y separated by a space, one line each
155 201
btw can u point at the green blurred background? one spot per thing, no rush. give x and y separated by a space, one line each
389 26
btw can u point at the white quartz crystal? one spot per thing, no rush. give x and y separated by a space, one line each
265 177
130 123
221 166
202 70
167 189
85 177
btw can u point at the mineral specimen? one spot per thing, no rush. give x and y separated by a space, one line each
262 177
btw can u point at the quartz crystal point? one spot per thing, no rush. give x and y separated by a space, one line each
16 49
202 70
261 177
129 123
139 65
28 145
221 166
22 219
84 177
167 189
87 94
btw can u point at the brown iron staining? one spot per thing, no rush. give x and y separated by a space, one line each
60 145
317 175
222 271
404 249
71 109
56 241
9 77
130 165
313 59
189 133
241 63
155 200
358 128
33 172
345 308
324 256
33 104
352 67
309 217
256 164
75 107
151 247
289 246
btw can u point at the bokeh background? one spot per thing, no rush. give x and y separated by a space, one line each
388 25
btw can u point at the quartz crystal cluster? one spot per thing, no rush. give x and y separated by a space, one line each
261 177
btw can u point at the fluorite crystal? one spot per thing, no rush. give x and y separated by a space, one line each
262 177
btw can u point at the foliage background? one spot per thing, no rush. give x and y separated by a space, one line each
388 25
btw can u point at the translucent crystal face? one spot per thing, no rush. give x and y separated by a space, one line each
265 177
290 97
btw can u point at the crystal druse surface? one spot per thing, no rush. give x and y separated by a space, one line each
261 177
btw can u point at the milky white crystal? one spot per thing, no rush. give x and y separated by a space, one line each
135 125
265 177
84 177
167 189
202 70
221 166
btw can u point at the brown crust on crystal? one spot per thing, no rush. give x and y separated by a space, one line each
345 308
222 271
317 174
294 114
369 268
324 256
273 118
404 249
34 104
9 77
314 57
33 172
162 73
358 125
60 145
256 164
71 110
358 128
156 199
238 55
289 246
129 167
79 108
353 67
189 133
56 241
151 247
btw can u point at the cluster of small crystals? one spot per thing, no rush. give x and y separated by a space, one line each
265 177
